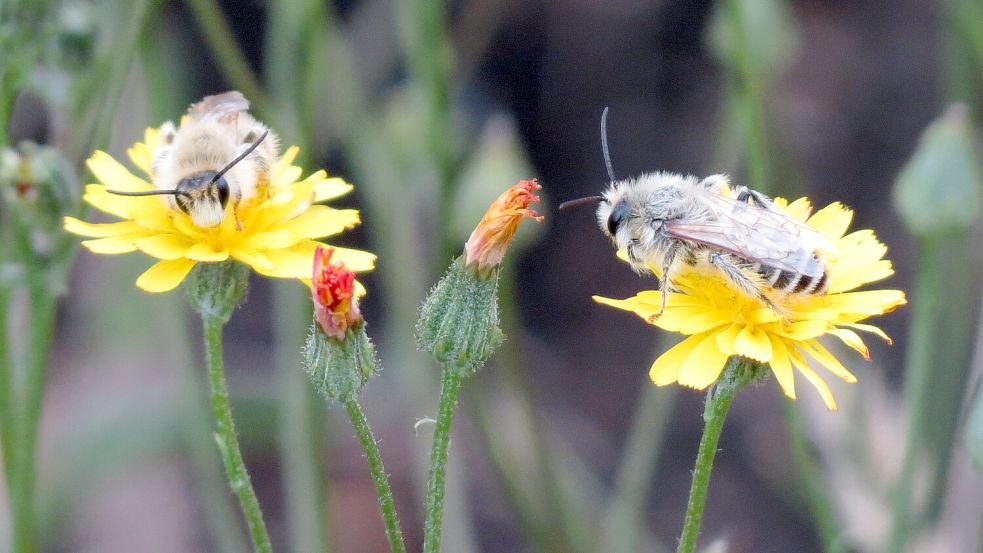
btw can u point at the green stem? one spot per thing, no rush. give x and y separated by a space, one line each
751 97
41 330
718 400
7 431
226 53
450 387
382 490
808 477
917 375
225 435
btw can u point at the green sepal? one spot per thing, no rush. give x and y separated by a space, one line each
339 368
215 289
458 322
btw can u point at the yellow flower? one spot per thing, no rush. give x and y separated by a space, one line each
276 236
722 321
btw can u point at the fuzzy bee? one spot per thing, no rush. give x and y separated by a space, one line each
672 221
219 154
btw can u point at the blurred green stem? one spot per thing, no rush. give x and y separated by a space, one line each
450 387
623 520
301 431
225 436
917 375
382 489
808 477
751 99
7 431
227 54
422 29
735 375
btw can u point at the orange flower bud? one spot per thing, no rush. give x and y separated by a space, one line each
486 247
333 290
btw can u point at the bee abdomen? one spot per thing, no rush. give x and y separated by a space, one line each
791 282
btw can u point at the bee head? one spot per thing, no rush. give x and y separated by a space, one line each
203 196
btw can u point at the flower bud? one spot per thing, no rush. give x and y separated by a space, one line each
458 322
339 357
486 247
333 290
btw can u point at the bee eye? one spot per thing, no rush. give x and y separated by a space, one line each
618 214
223 191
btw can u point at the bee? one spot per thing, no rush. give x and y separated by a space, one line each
219 154
674 221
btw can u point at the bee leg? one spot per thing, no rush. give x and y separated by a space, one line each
744 194
666 283
239 226
739 278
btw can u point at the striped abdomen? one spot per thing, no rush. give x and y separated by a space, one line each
792 282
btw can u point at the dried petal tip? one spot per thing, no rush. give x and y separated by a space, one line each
486 247
333 290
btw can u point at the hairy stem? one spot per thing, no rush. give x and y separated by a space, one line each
718 401
225 435
382 489
450 387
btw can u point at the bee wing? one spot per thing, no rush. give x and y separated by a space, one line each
223 107
754 233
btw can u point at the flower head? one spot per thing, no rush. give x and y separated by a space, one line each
486 247
274 232
333 289
722 322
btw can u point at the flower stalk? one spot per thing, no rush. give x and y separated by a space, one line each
458 325
215 290
738 373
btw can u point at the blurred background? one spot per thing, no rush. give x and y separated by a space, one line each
431 108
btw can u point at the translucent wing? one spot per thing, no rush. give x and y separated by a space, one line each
754 233
223 107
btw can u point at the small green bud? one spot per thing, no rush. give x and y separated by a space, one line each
215 289
339 368
939 190
459 319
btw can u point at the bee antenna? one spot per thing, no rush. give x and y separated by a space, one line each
604 143
175 192
241 156
581 201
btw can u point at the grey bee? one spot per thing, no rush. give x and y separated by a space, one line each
216 156
675 221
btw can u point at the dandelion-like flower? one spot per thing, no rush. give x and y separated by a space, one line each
722 322
274 233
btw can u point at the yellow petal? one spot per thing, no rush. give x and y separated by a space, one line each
100 230
781 365
832 221
110 245
799 210
112 173
142 156
804 329
826 359
165 275
871 329
276 239
356 260
703 365
869 302
726 338
203 251
824 392
254 259
853 340
329 189
164 246
754 343
665 369
287 264
320 221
